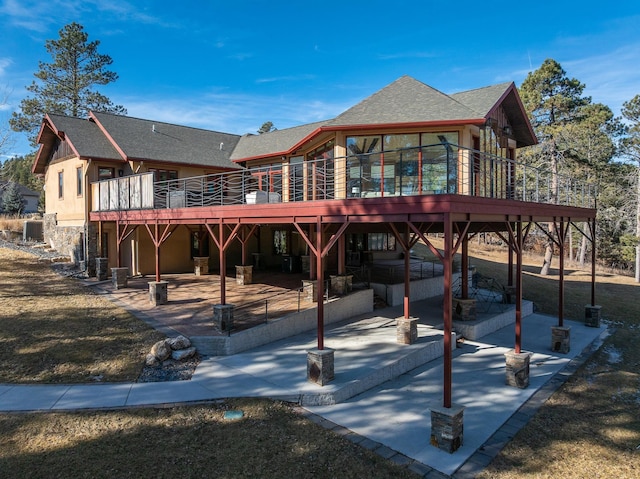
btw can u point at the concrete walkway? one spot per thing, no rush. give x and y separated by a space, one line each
392 418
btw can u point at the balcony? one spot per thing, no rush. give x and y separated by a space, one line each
430 170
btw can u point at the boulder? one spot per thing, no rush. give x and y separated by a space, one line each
161 350
151 360
183 353
180 342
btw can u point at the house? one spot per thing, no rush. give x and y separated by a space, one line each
364 187
77 152
30 197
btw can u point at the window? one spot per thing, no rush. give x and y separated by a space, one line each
60 184
163 175
381 242
280 242
79 180
105 173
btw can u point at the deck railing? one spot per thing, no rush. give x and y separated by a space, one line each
429 170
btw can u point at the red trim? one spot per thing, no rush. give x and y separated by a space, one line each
109 137
366 127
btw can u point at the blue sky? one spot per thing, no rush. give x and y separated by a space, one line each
232 65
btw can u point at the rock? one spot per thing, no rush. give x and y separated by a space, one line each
161 350
183 353
181 342
151 360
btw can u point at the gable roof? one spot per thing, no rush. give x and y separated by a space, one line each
407 100
138 139
486 100
23 190
277 141
83 136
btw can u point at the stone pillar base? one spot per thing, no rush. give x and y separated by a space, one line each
320 366
101 268
158 292
517 369
447 427
560 339
223 316
244 274
592 315
341 284
406 330
119 277
201 265
309 287
464 309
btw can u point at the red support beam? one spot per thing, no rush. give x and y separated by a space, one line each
320 284
447 306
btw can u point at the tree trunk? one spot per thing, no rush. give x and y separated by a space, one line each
553 198
583 249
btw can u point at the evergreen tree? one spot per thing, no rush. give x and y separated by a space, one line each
553 102
12 200
67 84
631 148
266 127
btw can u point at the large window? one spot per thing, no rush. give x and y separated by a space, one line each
439 162
280 242
381 242
320 172
402 164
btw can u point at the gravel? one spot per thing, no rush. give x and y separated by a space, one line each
170 370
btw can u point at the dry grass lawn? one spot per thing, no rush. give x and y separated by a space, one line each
54 330
589 428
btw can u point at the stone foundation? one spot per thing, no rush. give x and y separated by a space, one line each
464 309
592 315
119 277
406 330
223 316
244 274
320 366
309 287
560 339
447 428
201 265
517 369
158 292
101 268
341 284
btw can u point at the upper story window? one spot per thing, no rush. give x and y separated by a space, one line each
61 184
164 175
401 164
79 180
106 173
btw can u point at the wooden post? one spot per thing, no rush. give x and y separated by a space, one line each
320 284
519 245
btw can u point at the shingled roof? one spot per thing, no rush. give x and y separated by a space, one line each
406 101
139 139
277 141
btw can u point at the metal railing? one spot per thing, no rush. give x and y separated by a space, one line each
428 170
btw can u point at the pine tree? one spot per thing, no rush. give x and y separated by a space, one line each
631 147
67 85
553 101
12 200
